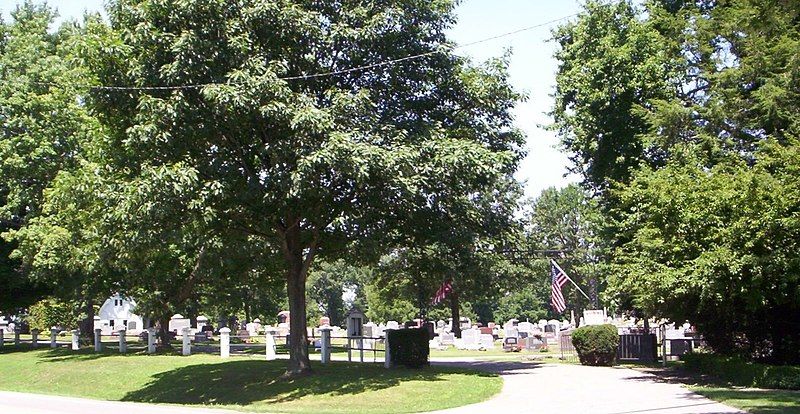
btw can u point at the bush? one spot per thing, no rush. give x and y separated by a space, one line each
50 312
408 347
596 345
743 373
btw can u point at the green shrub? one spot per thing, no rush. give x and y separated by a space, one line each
744 373
596 345
50 312
408 347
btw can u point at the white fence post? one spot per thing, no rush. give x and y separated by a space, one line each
98 346
326 345
35 337
53 334
76 340
224 342
16 336
269 340
187 341
123 341
151 340
387 363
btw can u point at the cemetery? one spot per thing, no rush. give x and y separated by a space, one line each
399 206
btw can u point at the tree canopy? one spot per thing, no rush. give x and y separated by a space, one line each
276 130
698 184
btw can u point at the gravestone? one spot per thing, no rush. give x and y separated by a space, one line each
471 339
243 334
254 327
511 332
392 325
355 322
593 317
447 339
178 322
370 330
487 341
525 327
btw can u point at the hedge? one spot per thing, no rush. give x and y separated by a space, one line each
596 345
744 373
408 347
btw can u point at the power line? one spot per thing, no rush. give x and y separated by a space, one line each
325 74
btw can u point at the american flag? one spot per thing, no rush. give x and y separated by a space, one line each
446 288
559 279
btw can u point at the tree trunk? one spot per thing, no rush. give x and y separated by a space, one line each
455 314
86 326
298 256
193 320
299 363
163 332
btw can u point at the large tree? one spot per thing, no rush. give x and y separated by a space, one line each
45 129
306 163
612 66
565 224
703 224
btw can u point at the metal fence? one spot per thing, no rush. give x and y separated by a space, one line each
568 352
639 347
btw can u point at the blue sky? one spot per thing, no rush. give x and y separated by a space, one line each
532 68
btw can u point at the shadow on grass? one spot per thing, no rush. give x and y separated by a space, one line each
245 382
756 401
66 354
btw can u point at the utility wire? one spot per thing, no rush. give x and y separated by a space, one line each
325 74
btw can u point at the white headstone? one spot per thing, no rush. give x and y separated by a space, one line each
487 341
525 327
593 317
447 339
511 332
471 339
392 325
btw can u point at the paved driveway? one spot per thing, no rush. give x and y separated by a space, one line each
561 388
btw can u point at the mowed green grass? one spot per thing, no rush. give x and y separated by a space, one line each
241 383
754 401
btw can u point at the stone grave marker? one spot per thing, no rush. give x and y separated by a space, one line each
487 341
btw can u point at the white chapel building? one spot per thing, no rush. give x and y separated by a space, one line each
116 312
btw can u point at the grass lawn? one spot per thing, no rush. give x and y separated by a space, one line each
754 401
240 383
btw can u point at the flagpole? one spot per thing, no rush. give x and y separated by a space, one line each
569 278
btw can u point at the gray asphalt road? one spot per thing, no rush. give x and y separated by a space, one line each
554 388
